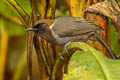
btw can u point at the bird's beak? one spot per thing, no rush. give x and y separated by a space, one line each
32 29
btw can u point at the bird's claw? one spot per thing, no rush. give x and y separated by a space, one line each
60 55
65 47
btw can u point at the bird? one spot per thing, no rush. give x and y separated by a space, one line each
68 29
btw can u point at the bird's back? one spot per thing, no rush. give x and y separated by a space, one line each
72 26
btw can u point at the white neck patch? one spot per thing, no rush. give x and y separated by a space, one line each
53 32
53 24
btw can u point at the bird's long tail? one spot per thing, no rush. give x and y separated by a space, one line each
106 46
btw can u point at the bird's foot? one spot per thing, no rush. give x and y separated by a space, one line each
65 47
60 55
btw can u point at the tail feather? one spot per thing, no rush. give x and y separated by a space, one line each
106 46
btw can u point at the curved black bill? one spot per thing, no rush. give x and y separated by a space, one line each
32 29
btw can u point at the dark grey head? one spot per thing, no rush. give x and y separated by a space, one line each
38 27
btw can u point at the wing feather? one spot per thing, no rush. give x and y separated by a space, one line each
72 26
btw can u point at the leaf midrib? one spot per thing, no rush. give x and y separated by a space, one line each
100 61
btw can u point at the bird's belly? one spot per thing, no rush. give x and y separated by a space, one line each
61 41
82 38
64 40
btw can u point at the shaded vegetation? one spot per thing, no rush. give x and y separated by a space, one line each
16 15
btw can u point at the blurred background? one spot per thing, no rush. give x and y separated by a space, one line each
13 41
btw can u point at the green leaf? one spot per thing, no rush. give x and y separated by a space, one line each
5 10
118 2
114 39
91 64
18 10
25 4
14 29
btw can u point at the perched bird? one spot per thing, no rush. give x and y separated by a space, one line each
68 29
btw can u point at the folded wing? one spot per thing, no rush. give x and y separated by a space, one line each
73 26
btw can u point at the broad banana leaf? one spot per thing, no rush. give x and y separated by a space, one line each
91 64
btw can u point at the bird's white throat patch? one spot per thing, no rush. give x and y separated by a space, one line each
53 32
53 24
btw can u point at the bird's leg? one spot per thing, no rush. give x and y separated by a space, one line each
65 47
60 55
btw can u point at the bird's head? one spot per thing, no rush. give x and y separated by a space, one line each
43 28
39 27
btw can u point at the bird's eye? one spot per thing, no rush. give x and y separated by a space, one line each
43 26
40 27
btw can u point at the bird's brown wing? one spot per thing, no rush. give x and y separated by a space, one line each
72 26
